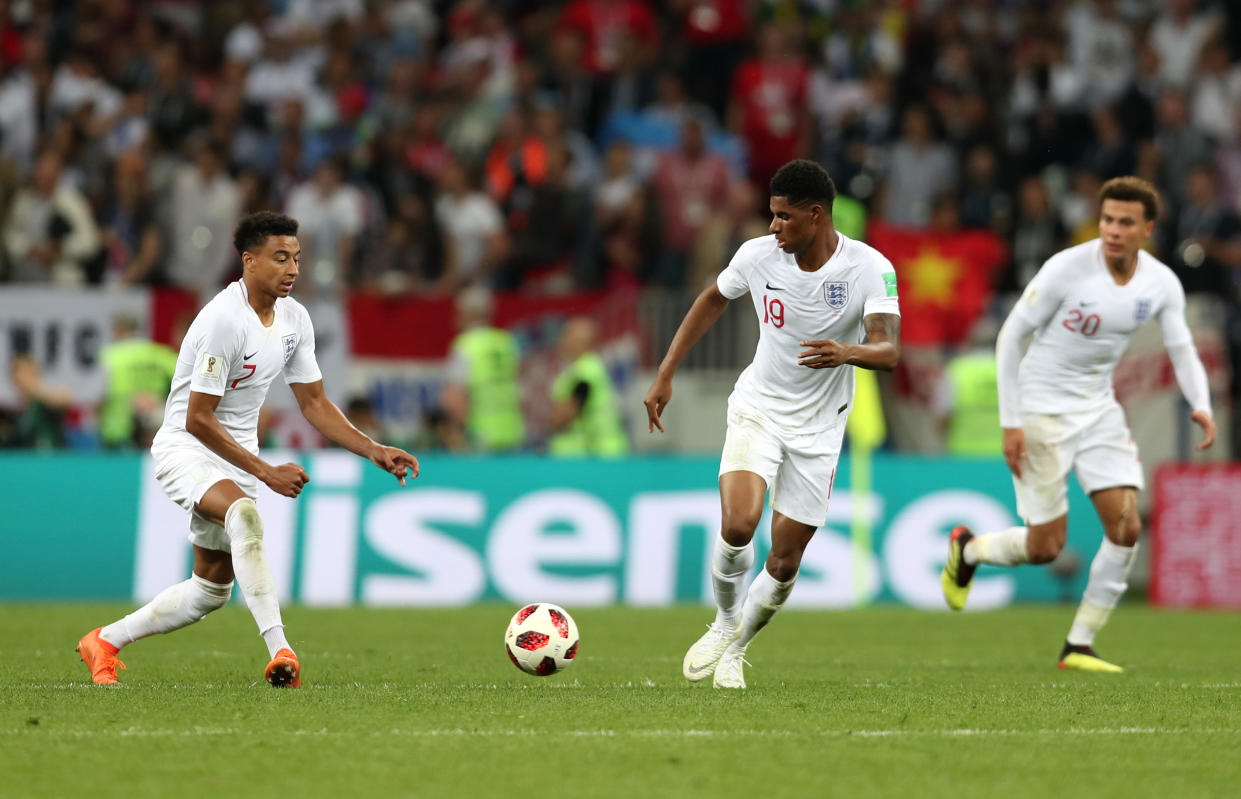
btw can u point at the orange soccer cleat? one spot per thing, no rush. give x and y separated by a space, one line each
284 670
100 657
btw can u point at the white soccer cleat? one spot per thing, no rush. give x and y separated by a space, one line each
701 658
730 671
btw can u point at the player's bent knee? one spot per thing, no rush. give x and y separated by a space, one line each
738 528
243 524
783 568
1044 549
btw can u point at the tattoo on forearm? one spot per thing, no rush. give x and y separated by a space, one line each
881 327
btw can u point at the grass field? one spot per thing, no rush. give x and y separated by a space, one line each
875 703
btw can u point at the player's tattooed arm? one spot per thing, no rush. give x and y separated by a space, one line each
881 327
881 350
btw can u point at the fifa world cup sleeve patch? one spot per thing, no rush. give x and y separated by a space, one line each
213 366
889 284
1031 296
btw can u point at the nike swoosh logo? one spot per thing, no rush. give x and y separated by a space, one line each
700 669
251 355
773 288
1084 304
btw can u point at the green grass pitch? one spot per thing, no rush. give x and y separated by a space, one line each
882 702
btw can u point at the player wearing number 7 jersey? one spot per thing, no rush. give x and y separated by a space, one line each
1059 412
206 454
826 304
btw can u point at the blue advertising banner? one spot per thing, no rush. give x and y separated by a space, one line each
635 531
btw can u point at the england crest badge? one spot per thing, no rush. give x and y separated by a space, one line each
1142 311
290 344
836 293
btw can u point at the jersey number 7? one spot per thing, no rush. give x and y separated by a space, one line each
249 367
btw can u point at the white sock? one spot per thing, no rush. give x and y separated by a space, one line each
729 567
765 597
175 607
1005 548
245 533
1109 574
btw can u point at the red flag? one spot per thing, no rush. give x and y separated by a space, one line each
944 279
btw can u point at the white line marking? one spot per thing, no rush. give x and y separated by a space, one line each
138 732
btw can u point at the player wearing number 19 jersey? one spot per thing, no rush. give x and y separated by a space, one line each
1059 412
826 304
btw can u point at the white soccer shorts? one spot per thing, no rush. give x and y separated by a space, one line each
186 471
1098 448
799 467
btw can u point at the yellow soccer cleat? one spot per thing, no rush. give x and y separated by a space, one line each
1083 658
957 574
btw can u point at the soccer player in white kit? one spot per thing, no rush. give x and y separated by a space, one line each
826 304
206 452
1059 411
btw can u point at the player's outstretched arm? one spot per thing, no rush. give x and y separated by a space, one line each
707 308
881 351
335 427
200 422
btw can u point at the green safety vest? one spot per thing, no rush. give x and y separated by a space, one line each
974 428
135 367
597 430
849 217
492 363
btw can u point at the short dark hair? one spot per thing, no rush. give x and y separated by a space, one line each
253 229
1130 189
804 182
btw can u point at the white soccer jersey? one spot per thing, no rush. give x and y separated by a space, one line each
229 353
1084 321
795 306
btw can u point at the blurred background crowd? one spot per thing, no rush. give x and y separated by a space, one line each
622 147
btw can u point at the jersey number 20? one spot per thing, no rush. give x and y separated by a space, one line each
1075 322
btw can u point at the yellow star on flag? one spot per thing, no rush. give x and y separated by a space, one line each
931 277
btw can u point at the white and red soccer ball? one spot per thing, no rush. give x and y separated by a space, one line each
541 639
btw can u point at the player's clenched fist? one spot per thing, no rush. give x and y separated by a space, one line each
287 479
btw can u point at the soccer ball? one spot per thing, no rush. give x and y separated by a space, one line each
541 639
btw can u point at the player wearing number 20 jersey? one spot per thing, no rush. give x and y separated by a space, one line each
1059 412
1083 322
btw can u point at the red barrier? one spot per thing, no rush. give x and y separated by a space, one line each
1196 536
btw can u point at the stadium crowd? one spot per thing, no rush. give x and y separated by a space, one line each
428 146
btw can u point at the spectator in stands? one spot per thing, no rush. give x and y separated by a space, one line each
768 101
1178 36
1204 236
585 419
689 183
473 229
131 237
1180 145
1038 231
331 214
920 167
204 209
548 225
50 234
409 257
38 421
